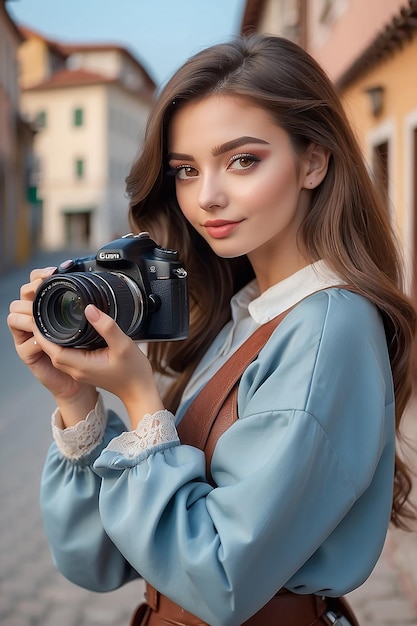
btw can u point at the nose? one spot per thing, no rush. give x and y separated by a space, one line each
212 195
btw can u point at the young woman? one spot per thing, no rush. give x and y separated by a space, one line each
251 172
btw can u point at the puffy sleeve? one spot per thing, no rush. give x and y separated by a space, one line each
304 477
81 548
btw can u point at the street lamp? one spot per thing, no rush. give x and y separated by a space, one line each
376 99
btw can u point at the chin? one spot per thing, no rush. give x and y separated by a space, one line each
224 253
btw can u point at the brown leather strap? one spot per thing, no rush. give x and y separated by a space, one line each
284 608
213 410
225 418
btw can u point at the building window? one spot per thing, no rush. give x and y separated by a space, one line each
79 168
41 119
381 141
78 117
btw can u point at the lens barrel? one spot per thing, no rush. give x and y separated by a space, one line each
60 302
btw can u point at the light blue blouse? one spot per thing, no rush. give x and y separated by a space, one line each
304 480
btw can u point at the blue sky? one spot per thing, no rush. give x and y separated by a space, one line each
160 33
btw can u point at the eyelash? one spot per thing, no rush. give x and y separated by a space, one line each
174 171
245 155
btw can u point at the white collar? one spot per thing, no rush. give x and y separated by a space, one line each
286 293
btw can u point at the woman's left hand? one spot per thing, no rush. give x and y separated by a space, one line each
121 368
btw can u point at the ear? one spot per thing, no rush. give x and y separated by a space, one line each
316 163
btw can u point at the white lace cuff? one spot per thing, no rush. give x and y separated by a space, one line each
152 430
75 441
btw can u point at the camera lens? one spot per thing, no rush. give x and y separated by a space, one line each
59 305
69 308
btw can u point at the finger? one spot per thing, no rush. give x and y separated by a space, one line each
41 273
20 321
30 348
25 343
22 326
21 306
75 362
106 327
28 290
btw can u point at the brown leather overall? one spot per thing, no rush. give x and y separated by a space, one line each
209 415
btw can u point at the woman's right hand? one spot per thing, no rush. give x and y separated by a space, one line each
66 390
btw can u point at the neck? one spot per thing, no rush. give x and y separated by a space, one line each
270 273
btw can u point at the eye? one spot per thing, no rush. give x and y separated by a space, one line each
182 172
240 162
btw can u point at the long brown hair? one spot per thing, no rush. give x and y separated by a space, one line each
347 225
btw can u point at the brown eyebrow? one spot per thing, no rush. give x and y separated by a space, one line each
178 156
236 143
218 150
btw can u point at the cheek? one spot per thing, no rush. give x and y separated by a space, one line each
278 185
184 199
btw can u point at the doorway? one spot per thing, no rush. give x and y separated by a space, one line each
77 226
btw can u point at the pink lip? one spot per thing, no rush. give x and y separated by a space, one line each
220 228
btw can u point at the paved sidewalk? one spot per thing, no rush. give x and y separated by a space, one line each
386 599
404 549
390 594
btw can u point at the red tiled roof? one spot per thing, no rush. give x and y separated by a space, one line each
56 47
100 47
72 78
402 28
66 49
103 47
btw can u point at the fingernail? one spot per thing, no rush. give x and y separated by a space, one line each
92 313
66 264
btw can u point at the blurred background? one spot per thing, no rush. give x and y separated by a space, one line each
77 82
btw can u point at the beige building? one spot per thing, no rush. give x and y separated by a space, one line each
16 219
90 105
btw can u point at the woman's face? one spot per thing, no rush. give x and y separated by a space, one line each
239 183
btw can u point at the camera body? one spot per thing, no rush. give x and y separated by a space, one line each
142 286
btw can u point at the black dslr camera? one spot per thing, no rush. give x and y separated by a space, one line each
142 286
